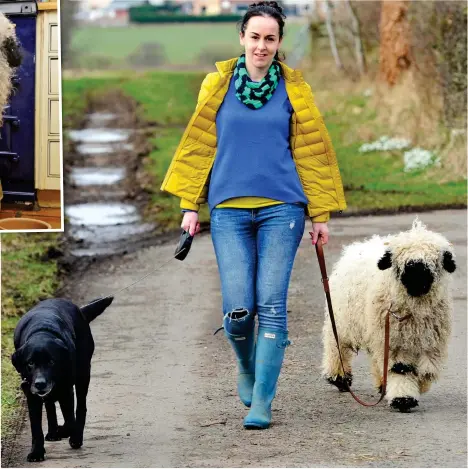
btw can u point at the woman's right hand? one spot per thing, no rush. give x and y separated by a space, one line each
190 223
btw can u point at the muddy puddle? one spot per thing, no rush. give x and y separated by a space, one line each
103 216
96 176
92 149
99 135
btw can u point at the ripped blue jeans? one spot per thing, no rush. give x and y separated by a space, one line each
255 251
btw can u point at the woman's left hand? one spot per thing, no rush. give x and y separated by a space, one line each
319 230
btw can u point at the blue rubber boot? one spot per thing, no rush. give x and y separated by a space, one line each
268 362
239 328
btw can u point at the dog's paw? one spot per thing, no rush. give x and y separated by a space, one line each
404 404
75 442
63 431
341 381
53 436
36 455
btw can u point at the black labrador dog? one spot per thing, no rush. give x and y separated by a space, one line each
54 347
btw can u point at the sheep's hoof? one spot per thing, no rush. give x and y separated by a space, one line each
403 404
341 381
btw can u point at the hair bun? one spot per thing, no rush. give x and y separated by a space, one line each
271 4
274 5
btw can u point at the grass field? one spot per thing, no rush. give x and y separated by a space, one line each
161 45
35 278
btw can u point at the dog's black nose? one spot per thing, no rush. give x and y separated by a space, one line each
40 384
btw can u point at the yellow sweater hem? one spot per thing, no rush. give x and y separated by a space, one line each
248 202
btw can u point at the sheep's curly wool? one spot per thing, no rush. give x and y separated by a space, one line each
7 38
409 273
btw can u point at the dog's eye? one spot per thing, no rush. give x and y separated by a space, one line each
30 364
51 363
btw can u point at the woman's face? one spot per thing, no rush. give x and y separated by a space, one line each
261 41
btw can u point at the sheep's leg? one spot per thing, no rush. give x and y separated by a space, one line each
331 364
377 375
424 385
428 371
402 386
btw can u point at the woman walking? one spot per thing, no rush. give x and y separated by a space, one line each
257 150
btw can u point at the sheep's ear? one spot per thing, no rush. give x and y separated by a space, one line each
448 262
385 262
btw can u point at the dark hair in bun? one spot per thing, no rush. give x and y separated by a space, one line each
272 9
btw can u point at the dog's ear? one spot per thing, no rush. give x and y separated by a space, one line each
64 350
17 359
385 262
448 262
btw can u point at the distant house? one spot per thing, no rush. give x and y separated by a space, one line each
118 9
206 7
236 6
186 6
309 8
291 7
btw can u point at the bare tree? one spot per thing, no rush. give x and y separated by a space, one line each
331 34
395 38
356 31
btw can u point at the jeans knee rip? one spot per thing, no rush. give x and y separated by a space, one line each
237 314
240 321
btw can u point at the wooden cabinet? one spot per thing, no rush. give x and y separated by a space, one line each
48 123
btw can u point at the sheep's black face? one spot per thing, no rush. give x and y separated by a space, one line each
417 278
12 50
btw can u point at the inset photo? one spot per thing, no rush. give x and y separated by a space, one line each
31 190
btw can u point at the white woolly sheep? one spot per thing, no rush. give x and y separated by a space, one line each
10 57
407 273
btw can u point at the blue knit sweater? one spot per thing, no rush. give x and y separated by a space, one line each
253 156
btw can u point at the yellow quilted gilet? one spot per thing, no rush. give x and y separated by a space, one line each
312 149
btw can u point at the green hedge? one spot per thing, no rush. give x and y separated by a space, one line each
148 15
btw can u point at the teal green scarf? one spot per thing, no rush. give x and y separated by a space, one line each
251 93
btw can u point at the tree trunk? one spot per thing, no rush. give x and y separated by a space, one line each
395 34
331 34
359 49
